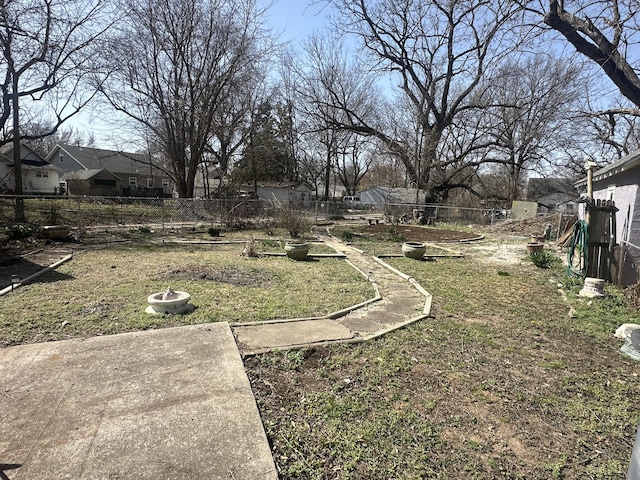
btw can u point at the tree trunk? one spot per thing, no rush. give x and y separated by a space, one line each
17 159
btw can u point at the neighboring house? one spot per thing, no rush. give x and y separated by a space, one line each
619 182
96 182
39 177
283 193
392 196
553 194
134 173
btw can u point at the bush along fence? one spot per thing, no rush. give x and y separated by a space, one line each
91 212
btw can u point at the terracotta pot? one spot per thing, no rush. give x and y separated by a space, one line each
297 251
414 250
535 247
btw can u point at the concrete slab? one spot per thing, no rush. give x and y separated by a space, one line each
360 324
173 403
287 334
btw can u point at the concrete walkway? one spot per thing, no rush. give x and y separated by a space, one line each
399 302
161 404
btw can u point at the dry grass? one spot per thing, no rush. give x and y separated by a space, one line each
104 291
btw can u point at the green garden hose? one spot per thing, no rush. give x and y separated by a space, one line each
579 242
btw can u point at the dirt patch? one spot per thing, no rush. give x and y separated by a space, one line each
533 226
230 275
415 233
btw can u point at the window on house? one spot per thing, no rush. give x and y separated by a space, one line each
42 174
149 182
61 157
165 182
133 181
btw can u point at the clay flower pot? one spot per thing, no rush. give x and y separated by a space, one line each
297 251
535 247
414 250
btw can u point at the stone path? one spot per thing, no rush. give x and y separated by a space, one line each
399 301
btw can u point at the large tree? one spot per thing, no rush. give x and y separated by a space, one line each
176 64
48 49
604 31
438 52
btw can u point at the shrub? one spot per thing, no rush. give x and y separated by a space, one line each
293 221
213 231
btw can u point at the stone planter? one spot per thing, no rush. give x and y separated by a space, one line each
414 250
535 247
297 251
55 232
170 302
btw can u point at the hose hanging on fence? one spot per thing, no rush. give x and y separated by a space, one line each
579 240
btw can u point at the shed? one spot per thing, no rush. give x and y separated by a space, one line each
553 194
283 193
392 196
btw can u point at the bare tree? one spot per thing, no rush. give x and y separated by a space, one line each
47 53
438 52
335 90
530 108
604 31
354 159
175 63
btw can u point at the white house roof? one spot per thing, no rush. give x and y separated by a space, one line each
625 163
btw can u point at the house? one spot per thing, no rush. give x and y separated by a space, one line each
620 182
135 174
553 194
283 193
39 177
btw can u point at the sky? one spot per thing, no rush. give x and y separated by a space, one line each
296 18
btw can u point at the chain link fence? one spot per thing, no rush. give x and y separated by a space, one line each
92 212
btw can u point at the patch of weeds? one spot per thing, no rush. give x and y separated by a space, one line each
555 469
271 243
543 259
553 365
503 274
601 316
145 230
348 235
288 359
394 236
213 231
